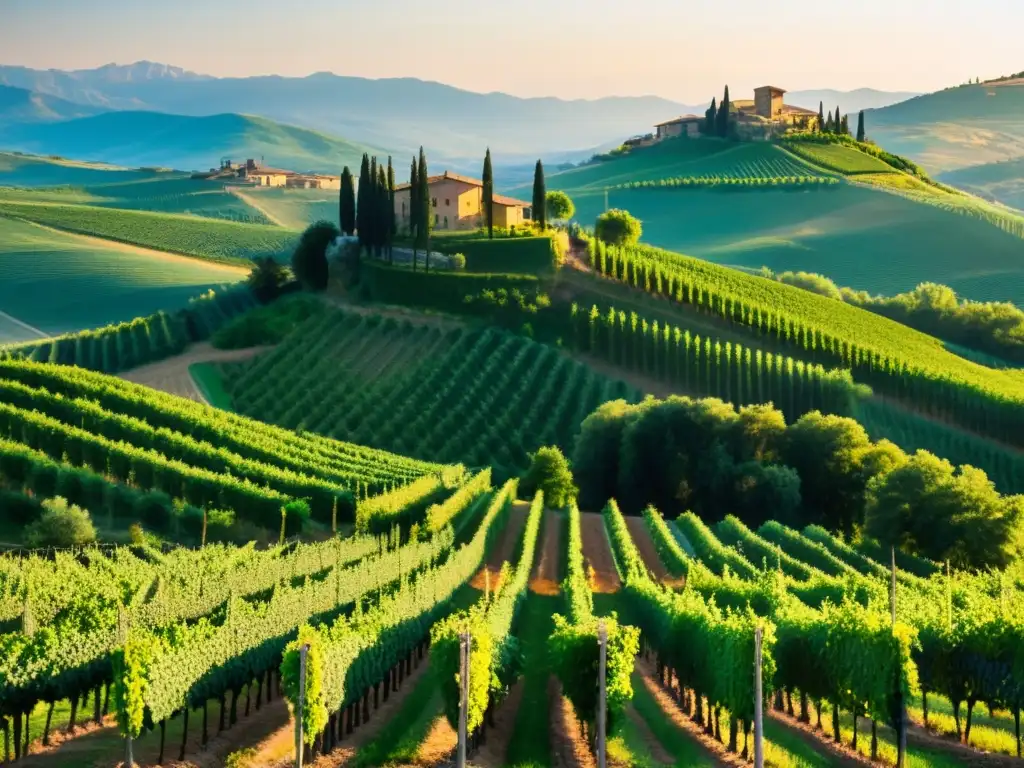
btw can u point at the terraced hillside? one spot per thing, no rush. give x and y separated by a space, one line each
858 235
477 397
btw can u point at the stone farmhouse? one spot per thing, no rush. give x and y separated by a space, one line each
457 202
263 176
767 109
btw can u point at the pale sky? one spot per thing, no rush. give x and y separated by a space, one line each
680 49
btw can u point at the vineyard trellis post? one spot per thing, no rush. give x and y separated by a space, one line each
300 706
901 751
465 641
758 701
602 646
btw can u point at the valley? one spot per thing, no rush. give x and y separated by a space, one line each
631 440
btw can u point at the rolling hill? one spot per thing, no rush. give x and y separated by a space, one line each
1001 181
954 128
190 143
18 105
869 237
401 113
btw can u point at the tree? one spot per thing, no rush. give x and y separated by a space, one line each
710 126
618 227
309 261
61 525
392 224
860 126
362 202
837 121
827 452
424 210
383 212
540 208
927 508
266 278
829 126
560 206
821 115
596 454
414 208
763 492
550 472
347 204
844 126
372 214
488 194
724 115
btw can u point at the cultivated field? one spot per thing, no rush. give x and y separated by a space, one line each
224 241
56 282
838 158
293 208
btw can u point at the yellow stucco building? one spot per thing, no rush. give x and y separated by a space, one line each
457 202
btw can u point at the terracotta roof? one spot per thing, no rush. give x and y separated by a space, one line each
773 88
446 176
511 202
270 172
682 119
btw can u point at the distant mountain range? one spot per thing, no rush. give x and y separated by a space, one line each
402 113
183 142
18 105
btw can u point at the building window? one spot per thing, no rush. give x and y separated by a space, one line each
403 210
437 219
447 203
435 202
446 222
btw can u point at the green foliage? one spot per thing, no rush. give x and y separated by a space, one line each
488 194
540 195
559 206
841 153
309 260
574 650
119 347
61 525
889 357
347 203
550 474
443 514
529 255
710 550
269 324
735 183
576 586
925 507
616 227
809 281
314 711
267 278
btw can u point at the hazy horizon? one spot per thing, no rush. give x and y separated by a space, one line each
545 49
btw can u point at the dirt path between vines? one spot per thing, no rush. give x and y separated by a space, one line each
569 748
649 553
505 548
492 754
546 572
597 555
269 750
172 375
839 754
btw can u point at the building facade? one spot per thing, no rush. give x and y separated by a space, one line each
457 202
768 101
688 125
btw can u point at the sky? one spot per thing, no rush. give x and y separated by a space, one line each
685 50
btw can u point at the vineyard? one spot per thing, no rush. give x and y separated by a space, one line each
219 241
838 157
119 347
889 357
120 450
454 395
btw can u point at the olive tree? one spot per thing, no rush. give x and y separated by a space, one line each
618 227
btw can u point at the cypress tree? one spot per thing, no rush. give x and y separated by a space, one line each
723 115
540 213
392 225
845 125
860 126
828 123
373 219
838 121
488 195
347 203
383 227
711 119
363 204
424 211
821 116
414 209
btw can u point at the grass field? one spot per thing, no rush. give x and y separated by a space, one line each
294 208
58 282
859 237
31 171
203 238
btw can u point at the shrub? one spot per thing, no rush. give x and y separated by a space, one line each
61 525
560 206
550 472
812 282
458 261
267 278
268 324
155 510
618 227
309 262
18 508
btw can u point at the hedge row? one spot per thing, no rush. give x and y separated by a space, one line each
519 255
445 291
